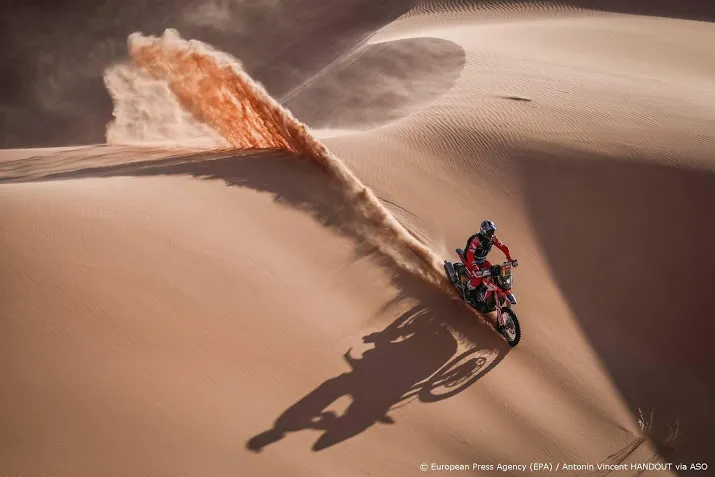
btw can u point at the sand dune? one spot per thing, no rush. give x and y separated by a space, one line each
244 297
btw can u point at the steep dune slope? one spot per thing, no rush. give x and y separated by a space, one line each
157 324
223 312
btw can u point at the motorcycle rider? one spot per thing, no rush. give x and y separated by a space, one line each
478 247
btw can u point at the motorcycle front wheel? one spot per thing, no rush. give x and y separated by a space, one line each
511 329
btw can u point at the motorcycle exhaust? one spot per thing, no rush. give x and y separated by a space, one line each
449 268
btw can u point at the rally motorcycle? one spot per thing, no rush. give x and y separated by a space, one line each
494 294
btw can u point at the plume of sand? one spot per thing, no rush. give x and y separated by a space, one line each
146 112
213 87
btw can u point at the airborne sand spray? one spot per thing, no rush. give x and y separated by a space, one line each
213 87
147 112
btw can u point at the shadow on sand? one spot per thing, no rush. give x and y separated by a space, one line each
411 360
414 358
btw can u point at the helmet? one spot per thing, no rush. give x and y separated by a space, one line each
487 228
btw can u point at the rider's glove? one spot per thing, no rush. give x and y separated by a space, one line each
515 262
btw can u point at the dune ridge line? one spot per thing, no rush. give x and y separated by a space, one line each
213 86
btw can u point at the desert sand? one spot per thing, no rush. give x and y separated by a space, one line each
236 284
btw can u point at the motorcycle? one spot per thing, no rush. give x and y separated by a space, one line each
494 294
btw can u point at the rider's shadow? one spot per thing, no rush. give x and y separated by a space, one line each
407 361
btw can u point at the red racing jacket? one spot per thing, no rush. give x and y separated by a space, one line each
478 248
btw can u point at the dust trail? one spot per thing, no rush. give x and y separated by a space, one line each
213 87
146 112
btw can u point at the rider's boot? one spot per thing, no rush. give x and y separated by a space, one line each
475 294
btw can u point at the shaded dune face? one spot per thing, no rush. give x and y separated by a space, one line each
379 84
630 244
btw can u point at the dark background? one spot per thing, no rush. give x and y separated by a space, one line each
53 53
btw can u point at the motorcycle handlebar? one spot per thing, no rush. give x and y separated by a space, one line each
513 264
484 273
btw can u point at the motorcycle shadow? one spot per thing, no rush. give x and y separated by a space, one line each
416 358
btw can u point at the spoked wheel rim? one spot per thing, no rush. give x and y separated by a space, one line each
509 328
